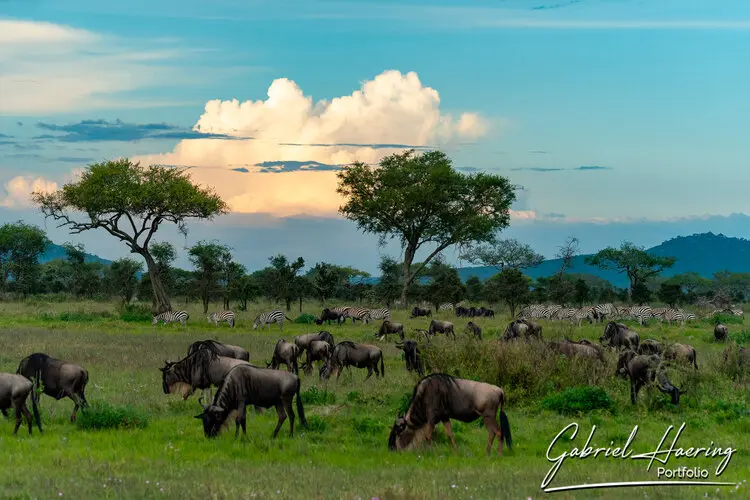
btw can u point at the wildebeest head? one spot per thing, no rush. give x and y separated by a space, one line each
665 386
170 382
325 370
213 418
609 331
401 434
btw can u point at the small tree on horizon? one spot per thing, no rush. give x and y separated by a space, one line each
635 262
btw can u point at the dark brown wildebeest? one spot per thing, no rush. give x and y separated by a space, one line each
649 346
721 332
249 385
682 353
439 326
201 370
440 398
14 390
643 369
474 330
618 335
622 363
318 350
581 349
419 312
743 355
347 353
60 379
522 328
327 316
226 350
285 353
303 341
412 355
389 327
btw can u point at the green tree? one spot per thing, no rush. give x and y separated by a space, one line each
632 260
245 288
692 282
503 253
670 293
421 199
86 277
510 286
640 294
582 292
208 259
280 280
123 277
474 289
444 285
389 286
55 277
131 202
21 245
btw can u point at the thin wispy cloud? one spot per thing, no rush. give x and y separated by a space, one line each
537 169
357 145
592 167
556 5
103 130
583 168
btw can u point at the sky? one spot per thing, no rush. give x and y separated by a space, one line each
617 119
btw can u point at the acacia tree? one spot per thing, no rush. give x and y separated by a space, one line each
445 284
510 286
209 260
421 199
20 247
130 202
283 281
638 264
124 277
503 253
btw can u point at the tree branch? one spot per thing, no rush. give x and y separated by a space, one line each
439 249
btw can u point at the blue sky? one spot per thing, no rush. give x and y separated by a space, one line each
616 116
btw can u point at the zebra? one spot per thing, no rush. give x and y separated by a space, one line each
602 311
738 312
640 313
445 307
689 316
550 311
383 313
534 311
358 313
267 318
565 313
171 317
586 313
219 316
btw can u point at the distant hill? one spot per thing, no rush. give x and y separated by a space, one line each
55 251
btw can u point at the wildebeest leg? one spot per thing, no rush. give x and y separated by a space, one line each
290 412
428 433
240 420
449 432
19 417
282 416
369 372
27 414
493 429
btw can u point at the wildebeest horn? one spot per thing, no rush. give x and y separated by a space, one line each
200 402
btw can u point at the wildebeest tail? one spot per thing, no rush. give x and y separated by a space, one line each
35 407
300 409
382 366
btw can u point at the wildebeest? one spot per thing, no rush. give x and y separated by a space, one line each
622 362
474 330
412 356
743 356
439 326
347 353
60 379
581 349
327 316
418 312
286 353
618 335
440 398
683 353
200 370
389 327
248 385
721 332
14 390
318 350
522 328
643 369
304 341
649 346
226 350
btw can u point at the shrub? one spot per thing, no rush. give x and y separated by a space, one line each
578 400
77 316
314 396
102 415
316 424
306 319
367 425
726 319
135 312
741 337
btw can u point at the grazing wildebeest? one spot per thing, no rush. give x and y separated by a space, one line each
412 356
645 369
522 328
318 350
304 341
60 379
14 390
582 349
721 332
683 353
226 350
418 312
622 363
649 346
248 385
618 335
389 327
743 356
200 370
474 330
440 398
347 353
327 316
439 326
286 353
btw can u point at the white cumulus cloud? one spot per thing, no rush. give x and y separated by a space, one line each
391 109
18 190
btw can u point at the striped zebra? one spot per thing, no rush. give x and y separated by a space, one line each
217 317
358 313
550 311
383 313
533 311
640 313
584 313
738 312
689 316
267 318
565 313
445 307
171 317
669 314
604 311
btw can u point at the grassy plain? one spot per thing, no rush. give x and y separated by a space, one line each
344 454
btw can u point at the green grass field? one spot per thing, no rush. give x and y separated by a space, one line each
343 453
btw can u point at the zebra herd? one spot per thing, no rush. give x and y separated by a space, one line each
599 312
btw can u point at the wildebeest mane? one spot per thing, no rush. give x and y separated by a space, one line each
347 343
443 396
36 362
210 345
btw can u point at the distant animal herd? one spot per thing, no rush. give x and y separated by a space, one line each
436 398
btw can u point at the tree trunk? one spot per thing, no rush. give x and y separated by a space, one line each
288 305
300 305
408 258
205 302
160 302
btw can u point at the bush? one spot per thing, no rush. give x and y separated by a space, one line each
314 396
316 424
367 425
78 316
102 415
741 337
135 312
306 319
726 319
578 400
